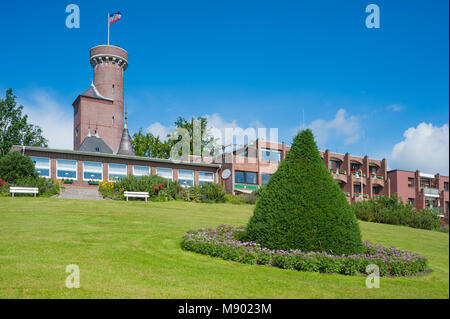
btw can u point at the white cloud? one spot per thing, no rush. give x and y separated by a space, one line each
395 107
56 121
342 126
425 148
157 129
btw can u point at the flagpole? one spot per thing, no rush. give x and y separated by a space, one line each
108 28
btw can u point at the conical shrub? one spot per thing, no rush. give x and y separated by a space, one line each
303 207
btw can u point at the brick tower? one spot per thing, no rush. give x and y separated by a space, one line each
99 110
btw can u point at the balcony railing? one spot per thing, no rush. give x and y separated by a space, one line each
338 171
376 176
430 191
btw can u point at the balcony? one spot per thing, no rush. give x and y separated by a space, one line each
375 176
357 174
430 191
338 171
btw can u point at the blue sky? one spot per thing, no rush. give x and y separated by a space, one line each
249 64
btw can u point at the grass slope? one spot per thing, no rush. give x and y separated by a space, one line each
132 250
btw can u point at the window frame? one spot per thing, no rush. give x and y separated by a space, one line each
262 178
100 171
202 180
36 168
171 170
185 179
246 178
112 171
73 170
413 180
140 175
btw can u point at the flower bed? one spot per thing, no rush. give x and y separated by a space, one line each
224 242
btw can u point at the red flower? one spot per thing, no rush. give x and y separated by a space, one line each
156 188
160 186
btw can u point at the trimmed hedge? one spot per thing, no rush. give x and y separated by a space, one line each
393 211
302 207
224 242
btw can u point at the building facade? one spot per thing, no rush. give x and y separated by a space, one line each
103 150
422 190
251 167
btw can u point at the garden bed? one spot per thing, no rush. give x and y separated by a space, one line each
224 242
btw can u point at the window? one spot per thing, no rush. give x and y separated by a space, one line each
205 177
92 171
373 169
354 167
376 190
410 182
446 186
42 166
447 207
185 177
411 201
116 171
141 170
265 155
66 169
165 173
271 155
245 177
357 188
335 164
265 178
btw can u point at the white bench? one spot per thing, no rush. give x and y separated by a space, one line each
24 190
136 194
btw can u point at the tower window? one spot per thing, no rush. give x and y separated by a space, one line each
113 88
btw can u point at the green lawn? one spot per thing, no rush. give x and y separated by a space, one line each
132 250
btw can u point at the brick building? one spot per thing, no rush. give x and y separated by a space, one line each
102 150
251 167
421 190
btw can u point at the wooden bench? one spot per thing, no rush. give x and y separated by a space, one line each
136 194
24 190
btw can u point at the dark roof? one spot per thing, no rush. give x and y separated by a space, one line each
125 147
93 93
94 144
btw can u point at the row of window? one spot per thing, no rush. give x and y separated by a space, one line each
242 177
266 155
426 182
354 167
67 169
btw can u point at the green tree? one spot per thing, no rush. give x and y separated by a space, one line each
14 166
14 129
149 145
146 144
302 207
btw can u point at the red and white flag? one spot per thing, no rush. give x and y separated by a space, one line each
114 17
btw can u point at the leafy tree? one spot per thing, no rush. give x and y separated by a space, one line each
14 166
14 128
302 207
146 144
149 145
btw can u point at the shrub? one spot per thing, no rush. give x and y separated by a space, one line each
302 207
213 193
393 211
14 166
224 242
47 187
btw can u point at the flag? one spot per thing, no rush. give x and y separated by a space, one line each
114 17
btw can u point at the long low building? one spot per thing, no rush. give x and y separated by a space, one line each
87 169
